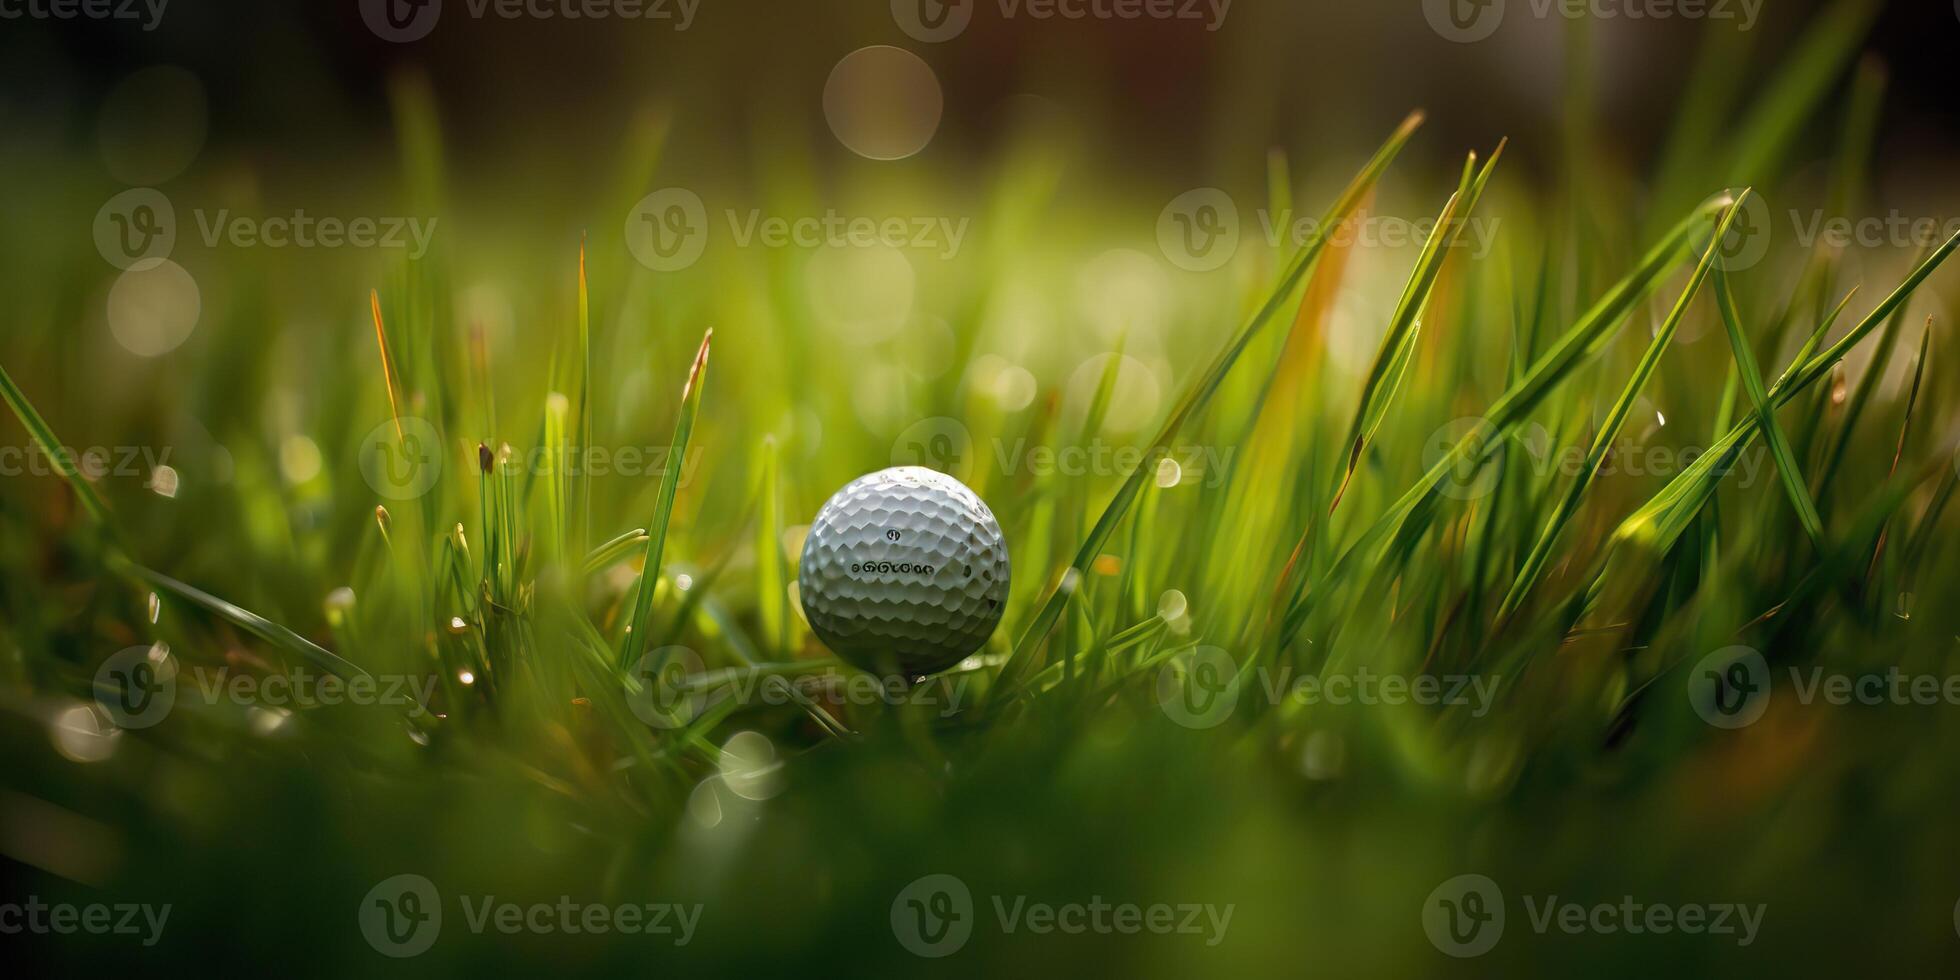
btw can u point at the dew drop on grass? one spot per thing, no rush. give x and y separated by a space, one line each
1168 473
337 605
1173 607
749 766
156 608
81 735
1324 756
163 482
704 804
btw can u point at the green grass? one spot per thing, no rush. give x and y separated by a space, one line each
1353 529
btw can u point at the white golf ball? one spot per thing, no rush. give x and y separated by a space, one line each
904 569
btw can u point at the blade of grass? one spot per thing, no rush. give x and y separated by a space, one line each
634 640
1752 381
1580 342
1657 524
1609 430
1194 401
64 462
1398 343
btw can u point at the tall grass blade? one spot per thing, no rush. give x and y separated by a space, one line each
635 639
1752 381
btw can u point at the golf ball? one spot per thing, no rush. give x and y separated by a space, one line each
904 569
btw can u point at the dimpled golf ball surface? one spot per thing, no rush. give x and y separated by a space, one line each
904 569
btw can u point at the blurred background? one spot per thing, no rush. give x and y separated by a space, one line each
1034 163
